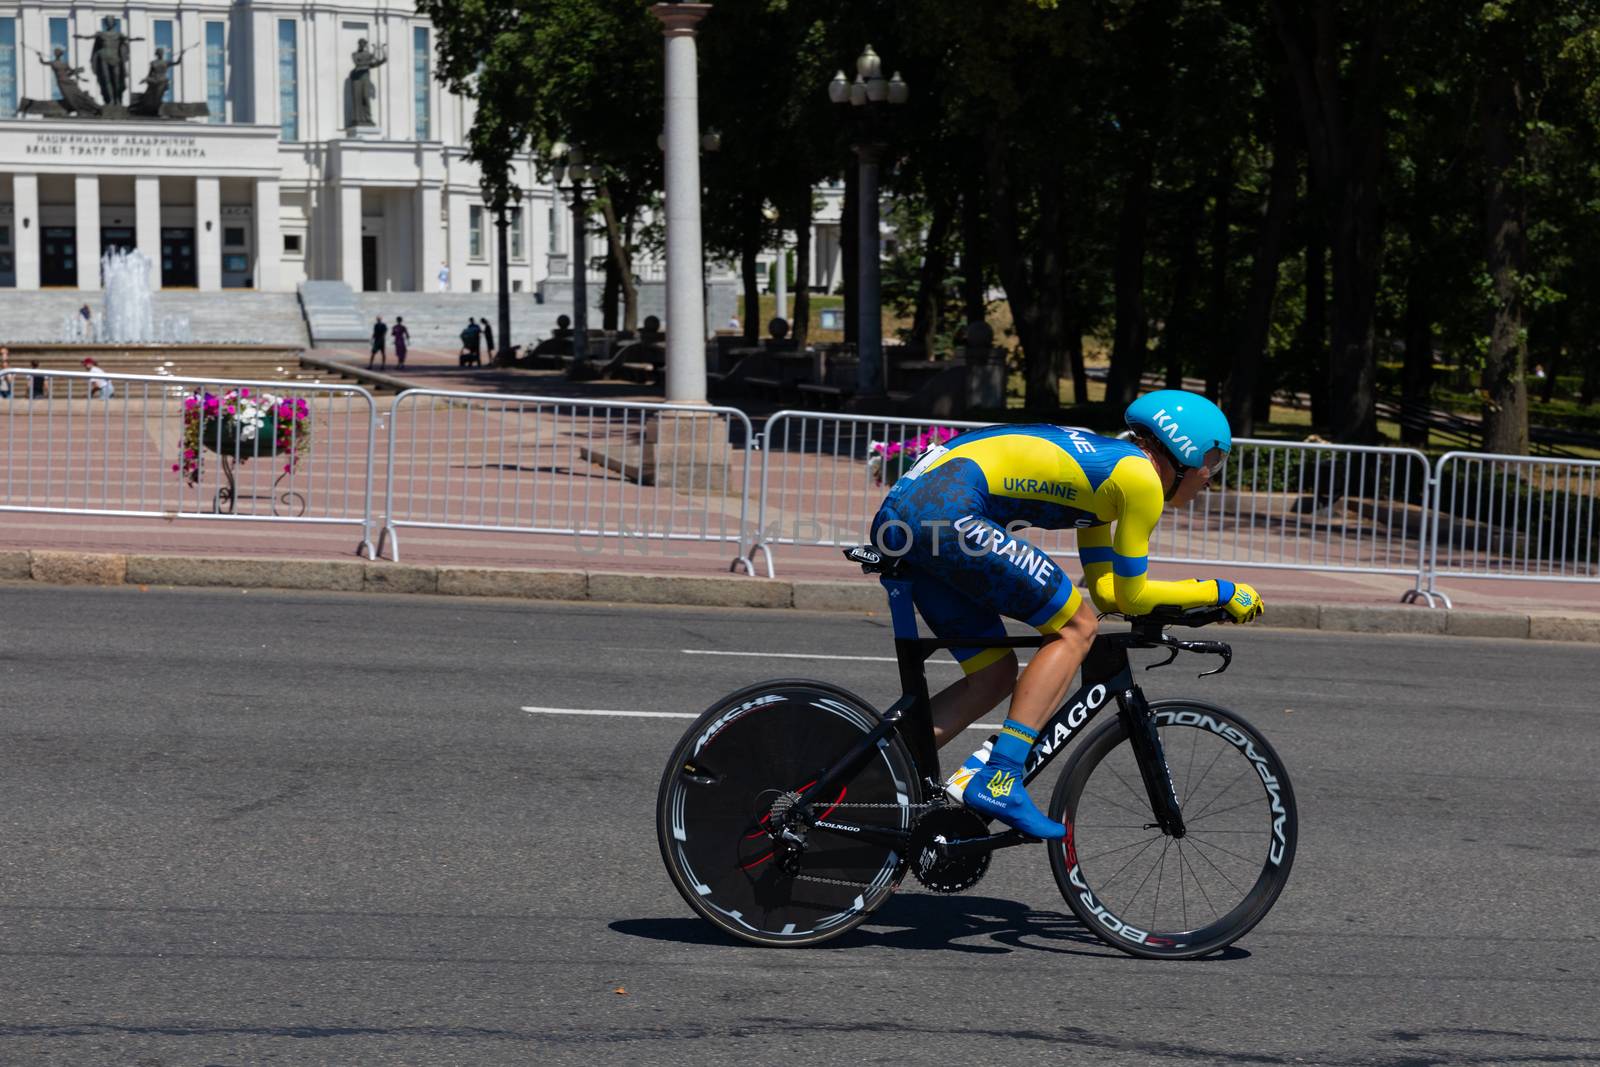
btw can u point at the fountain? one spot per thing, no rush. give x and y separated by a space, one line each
128 317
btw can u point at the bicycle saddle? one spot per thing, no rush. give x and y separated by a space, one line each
872 561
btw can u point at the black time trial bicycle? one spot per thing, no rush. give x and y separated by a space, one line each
792 809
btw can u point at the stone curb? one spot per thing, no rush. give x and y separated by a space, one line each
355 576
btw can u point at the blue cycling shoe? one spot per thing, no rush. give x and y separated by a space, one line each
990 783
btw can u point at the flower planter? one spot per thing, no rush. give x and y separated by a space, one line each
222 437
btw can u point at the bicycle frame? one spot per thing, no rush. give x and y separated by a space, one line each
1107 676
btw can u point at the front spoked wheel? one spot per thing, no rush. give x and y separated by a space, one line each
1162 897
757 750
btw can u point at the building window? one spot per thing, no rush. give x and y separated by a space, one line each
477 285
475 232
288 81
8 68
514 217
233 237
216 71
291 245
550 227
161 32
421 64
59 38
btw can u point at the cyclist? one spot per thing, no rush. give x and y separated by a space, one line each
953 517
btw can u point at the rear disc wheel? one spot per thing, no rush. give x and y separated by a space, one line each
718 792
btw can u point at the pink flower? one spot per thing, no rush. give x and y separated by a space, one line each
287 467
174 466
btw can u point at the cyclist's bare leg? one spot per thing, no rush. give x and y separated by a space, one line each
1043 685
961 704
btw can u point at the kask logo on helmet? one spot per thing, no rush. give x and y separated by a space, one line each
1176 438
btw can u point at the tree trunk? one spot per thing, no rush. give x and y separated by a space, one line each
749 271
928 317
1343 118
800 328
619 243
1251 353
1131 331
974 301
1218 331
1033 281
1505 406
1080 373
1416 375
610 296
1314 330
1178 335
849 249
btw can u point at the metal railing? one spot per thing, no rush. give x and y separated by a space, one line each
1516 517
1276 504
135 445
824 475
546 465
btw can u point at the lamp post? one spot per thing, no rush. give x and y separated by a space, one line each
686 312
868 93
502 354
568 163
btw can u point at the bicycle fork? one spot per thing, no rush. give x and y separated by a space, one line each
1140 723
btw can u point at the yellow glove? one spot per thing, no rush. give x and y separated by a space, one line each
1242 601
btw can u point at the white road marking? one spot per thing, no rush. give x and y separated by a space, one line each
811 655
604 712
614 714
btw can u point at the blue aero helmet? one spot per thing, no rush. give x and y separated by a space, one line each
1186 424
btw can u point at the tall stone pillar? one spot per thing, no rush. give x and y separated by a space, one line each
268 236
86 188
25 228
208 233
350 236
147 223
686 309
430 237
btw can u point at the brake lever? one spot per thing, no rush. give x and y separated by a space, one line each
1176 648
1215 648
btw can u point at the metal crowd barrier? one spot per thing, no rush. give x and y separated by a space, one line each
1516 517
1276 504
824 475
98 443
546 465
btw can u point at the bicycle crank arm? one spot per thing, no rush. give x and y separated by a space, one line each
962 847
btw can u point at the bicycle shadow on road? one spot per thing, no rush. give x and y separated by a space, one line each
985 925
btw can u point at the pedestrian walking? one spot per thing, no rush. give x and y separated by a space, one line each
402 340
380 332
444 277
5 365
39 387
488 339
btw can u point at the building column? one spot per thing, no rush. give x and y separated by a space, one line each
268 236
208 233
430 237
87 195
25 228
350 236
147 223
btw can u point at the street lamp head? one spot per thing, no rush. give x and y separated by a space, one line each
898 89
839 88
877 90
559 149
868 65
576 156
711 140
558 171
858 91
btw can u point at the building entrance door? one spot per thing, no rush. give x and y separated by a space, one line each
58 256
177 258
116 237
369 262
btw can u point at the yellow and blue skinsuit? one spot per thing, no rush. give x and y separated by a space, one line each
950 515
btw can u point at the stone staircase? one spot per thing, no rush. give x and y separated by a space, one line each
332 316
229 316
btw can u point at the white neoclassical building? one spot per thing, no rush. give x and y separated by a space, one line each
276 186
273 188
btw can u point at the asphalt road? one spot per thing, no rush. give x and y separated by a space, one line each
284 829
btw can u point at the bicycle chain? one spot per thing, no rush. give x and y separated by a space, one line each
918 808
